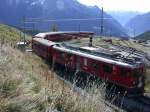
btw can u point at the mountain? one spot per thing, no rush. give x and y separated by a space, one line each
139 23
123 16
12 11
144 36
58 9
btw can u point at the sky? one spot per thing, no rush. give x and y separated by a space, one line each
120 5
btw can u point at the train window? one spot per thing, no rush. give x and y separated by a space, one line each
107 68
85 62
95 65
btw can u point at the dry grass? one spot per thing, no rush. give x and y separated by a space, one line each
27 85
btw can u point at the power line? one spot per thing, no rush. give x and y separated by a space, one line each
36 20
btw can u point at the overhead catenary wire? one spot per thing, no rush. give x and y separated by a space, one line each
36 20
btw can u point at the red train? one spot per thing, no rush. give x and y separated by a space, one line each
125 73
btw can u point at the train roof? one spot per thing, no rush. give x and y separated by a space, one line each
101 55
43 35
44 41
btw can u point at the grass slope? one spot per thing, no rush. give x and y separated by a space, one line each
144 36
10 34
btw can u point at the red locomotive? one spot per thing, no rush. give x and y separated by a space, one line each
126 73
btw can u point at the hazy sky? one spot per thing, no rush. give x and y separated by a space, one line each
123 5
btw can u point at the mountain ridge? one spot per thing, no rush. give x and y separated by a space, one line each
59 9
139 23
